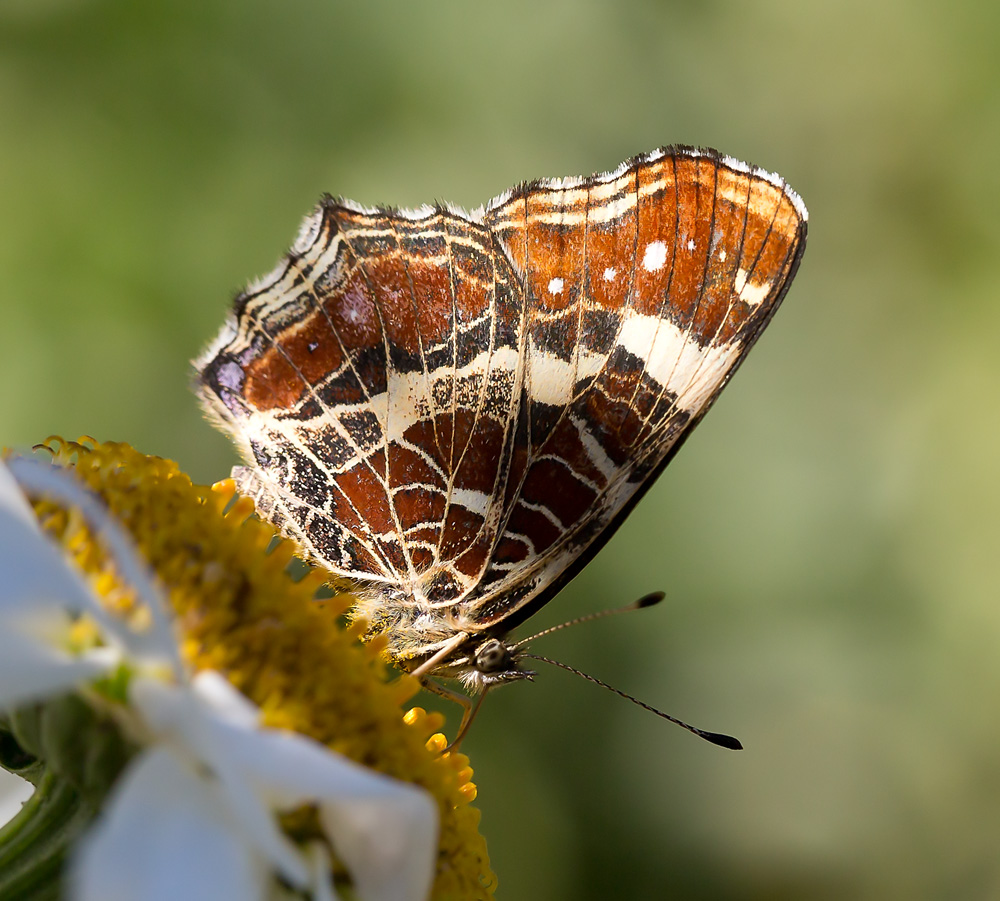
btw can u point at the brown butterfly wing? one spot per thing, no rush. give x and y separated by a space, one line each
465 407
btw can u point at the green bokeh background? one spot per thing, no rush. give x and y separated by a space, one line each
827 538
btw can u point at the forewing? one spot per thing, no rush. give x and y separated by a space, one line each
644 290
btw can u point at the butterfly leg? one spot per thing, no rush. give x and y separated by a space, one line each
469 709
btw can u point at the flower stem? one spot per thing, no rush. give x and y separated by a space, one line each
72 754
33 844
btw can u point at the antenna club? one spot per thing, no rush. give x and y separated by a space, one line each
723 741
650 600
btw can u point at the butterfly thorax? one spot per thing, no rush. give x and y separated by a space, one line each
418 632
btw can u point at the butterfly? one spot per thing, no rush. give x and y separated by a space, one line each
457 410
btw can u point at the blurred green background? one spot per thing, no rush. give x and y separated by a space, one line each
828 537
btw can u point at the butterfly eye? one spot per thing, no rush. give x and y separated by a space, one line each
492 657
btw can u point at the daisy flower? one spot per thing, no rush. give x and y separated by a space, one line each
217 731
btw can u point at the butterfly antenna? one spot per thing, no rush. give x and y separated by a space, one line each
716 738
647 600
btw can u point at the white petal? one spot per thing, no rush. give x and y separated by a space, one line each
225 700
388 847
164 836
181 716
384 830
38 591
14 791
156 644
33 572
321 884
13 500
32 668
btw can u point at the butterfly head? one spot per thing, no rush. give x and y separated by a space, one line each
487 663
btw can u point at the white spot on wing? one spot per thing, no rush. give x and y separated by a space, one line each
610 273
556 286
654 256
750 292
690 244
